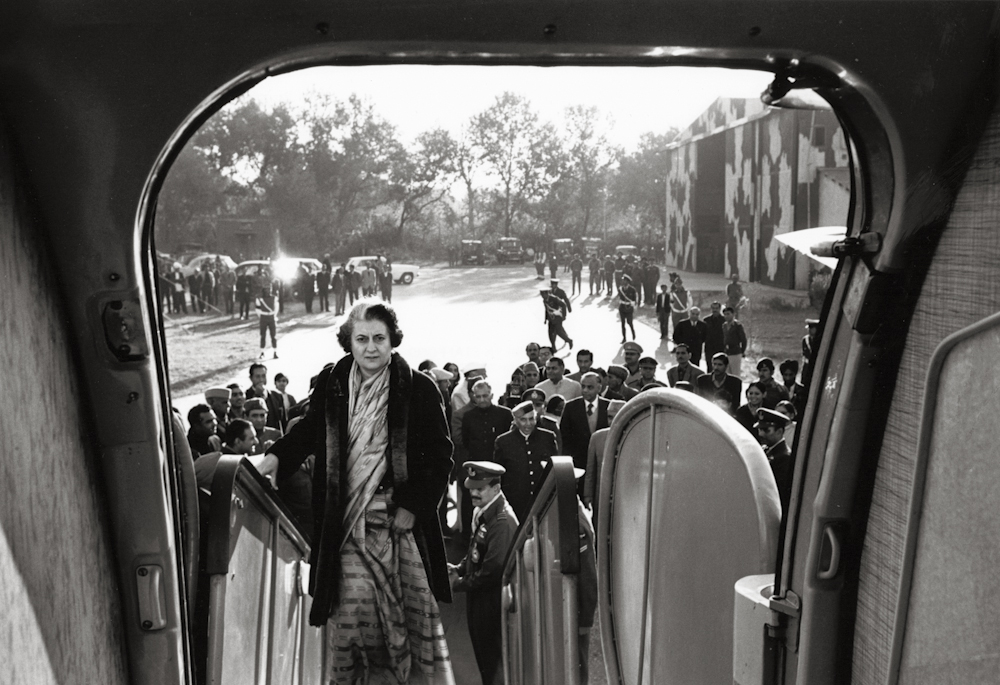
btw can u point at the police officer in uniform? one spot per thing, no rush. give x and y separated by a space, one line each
522 451
771 429
632 351
480 573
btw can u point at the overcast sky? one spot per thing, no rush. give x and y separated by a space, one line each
419 98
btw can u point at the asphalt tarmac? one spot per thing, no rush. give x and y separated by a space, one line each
470 316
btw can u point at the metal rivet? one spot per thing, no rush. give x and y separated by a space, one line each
113 276
549 30
143 571
132 397
147 625
322 28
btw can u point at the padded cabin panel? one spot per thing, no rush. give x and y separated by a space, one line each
58 593
952 629
955 294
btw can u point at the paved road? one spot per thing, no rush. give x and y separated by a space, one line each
467 315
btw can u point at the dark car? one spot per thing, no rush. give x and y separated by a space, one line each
472 251
510 250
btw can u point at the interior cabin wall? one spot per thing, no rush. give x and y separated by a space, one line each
59 597
956 293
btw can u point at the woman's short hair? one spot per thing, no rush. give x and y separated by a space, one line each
370 311
788 407
759 386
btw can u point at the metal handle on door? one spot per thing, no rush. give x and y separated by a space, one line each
834 543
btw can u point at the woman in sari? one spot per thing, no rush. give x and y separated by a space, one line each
383 457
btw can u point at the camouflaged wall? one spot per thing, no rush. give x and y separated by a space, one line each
772 186
681 174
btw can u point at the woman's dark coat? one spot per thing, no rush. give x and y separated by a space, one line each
420 455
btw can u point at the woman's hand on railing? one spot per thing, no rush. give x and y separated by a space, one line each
268 466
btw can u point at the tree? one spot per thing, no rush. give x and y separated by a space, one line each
590 157
192 195
515 152
422 177
468 160
639 184
350 153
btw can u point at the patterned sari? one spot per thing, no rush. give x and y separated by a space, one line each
387 627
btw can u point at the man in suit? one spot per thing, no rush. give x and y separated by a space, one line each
480 426
715 338
276 417
595 457
663 311
692 332
524 452
460 452
353 282
796 391
685 370
581 418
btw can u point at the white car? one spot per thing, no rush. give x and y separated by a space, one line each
401 273
195 263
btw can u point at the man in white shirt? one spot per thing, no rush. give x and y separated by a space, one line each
556 383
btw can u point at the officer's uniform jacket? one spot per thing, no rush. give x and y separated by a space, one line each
780 459
482 567
523 457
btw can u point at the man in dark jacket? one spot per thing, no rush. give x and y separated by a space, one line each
715 339
480 573
276 417
521 452
719 381
736 341
323 287
796 391
581 418
692 332
771 428
339 285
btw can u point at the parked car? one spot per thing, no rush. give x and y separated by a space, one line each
563 248
591 246
401 273
626 250
195 263
472 252
510 250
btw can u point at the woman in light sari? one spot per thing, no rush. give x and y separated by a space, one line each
383 457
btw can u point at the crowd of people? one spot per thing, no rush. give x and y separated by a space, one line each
215 288
397 438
